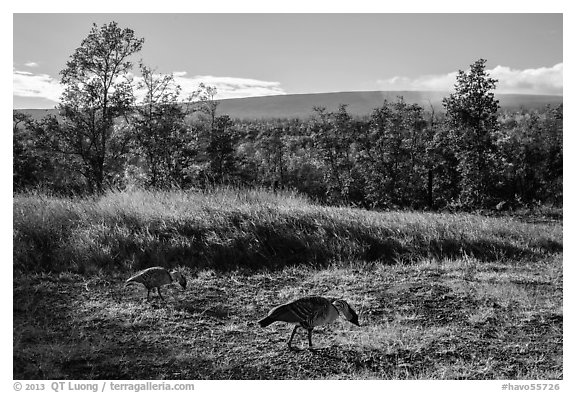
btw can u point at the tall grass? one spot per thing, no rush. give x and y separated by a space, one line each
229 228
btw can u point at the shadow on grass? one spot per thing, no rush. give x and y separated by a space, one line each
273 250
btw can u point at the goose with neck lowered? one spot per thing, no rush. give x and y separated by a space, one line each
310 312
155 277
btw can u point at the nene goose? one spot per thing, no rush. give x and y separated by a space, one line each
155 277
309 312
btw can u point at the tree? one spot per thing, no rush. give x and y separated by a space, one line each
35 164
392 156
205 99
221 149
553 124
471 114
530 149
26 161
96 92
160 133
333 134
443 186
270 152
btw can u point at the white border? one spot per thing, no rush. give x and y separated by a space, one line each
259 6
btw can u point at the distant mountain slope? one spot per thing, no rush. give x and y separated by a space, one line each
359 103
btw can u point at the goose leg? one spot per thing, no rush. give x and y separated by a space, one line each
148 296
292 336
160 293
310 338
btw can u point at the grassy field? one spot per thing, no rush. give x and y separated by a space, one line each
440 296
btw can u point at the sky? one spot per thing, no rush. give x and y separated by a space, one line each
245 55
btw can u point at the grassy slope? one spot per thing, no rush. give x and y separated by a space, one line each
250 229
446 296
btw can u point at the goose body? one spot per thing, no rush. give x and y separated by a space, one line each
155 277
309 312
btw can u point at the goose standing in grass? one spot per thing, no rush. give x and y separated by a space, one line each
309 312
155 277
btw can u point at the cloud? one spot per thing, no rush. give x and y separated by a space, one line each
544 80
228 87
426 82
31 64
28 84
32 85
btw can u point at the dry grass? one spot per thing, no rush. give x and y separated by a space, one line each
229 229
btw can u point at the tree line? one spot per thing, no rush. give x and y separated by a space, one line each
468 156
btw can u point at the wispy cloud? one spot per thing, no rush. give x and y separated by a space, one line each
28 84
228 87
31 64
425 82
544 80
